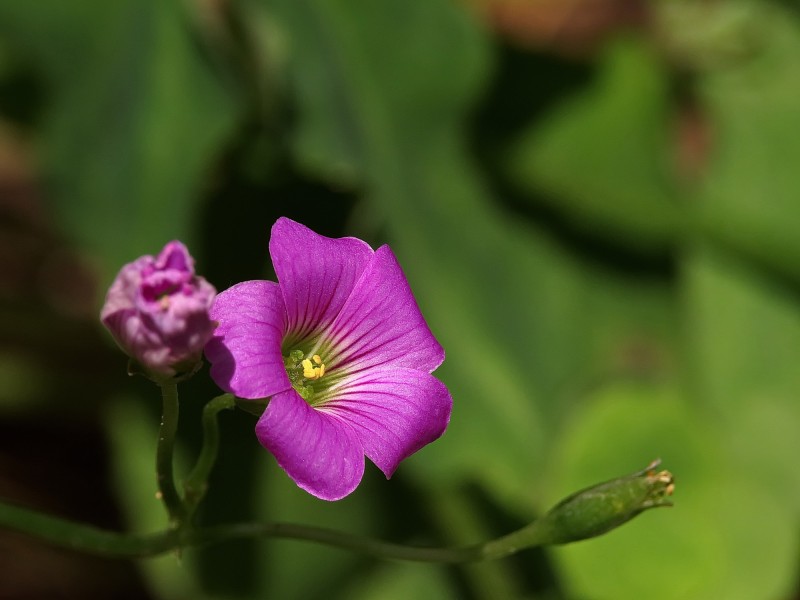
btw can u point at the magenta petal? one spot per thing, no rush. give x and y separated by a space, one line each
394 412
319 451
381 323
316 273
245 352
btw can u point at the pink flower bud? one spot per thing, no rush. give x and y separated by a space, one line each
157 311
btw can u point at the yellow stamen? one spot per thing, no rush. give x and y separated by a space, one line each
309 372
313 372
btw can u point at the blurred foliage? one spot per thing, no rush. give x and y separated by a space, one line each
597 208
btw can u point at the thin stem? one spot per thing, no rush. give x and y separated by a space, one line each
164 454
336 539
536 533
586 513
196 484
85 538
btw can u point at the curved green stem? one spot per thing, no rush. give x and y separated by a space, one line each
336 539
85 538
587 513
92 540
164 454
534 534
196 484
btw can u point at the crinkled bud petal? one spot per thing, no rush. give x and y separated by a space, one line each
157 310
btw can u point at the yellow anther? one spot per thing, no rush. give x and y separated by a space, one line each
310 371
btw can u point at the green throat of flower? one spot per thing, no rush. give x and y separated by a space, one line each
305 373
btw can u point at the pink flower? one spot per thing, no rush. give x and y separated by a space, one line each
342 351
157 309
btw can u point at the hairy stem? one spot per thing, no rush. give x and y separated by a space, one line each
196 484
92 540
584 514
164 455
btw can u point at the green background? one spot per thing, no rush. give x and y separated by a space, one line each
598 211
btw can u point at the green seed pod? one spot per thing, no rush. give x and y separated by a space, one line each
602 507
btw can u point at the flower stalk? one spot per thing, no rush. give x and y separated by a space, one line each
196 484
165 449
588 513
181 508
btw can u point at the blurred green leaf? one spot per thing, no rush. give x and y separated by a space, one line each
602 158
744 334
726 537
304 571
456 514
22 383
135 118
57 36
400 581
749 196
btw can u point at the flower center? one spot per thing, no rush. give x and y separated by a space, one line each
303 370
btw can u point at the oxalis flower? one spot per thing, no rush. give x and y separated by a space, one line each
342 351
